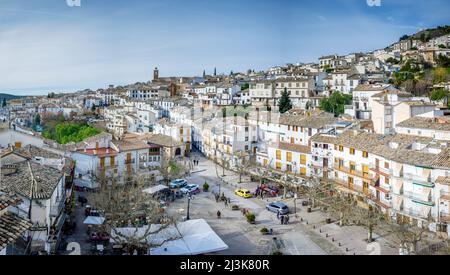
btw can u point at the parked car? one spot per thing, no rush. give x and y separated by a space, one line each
179 183
243 193
278 207
190 189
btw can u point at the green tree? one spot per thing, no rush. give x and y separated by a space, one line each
336 103
245 86
443 61
440 94
285 102
4 103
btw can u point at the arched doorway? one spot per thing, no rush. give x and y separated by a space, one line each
178 152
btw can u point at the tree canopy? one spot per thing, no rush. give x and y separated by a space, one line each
285 102
66 132
336 103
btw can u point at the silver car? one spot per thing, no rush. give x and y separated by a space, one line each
278 207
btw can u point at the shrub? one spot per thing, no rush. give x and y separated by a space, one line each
250 217
235 207
206 187
264 230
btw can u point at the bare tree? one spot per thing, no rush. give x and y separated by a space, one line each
171 170
368 218
128 206
243 164
407 237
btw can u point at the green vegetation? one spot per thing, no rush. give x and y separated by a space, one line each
392 60
285 102
4 98
65 132
242 111
428 34
245 86
441 94
440 75
443 61
205 187
36 122
336 103
250 217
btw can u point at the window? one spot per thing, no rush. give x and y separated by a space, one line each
303 171
352 167
303 159
341 148
386 165
352 151
278 165
365 154
365 171
278 154
289 156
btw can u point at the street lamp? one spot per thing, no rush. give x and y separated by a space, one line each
189 203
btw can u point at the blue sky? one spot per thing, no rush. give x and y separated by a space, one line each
46 45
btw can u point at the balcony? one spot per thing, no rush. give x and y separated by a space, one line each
381 170
417 198
349 187
415 213
419 180
357 173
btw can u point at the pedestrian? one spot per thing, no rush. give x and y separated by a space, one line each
278 215
286 220
282 219
218 214
226 202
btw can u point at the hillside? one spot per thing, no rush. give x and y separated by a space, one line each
428 34
8 97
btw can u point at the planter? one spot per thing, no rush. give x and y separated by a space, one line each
235 208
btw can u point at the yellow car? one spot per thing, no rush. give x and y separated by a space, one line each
243 193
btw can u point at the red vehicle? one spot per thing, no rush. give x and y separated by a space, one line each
267 190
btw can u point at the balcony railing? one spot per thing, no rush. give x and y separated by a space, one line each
427 200
357 173
381 170
415 213
419 180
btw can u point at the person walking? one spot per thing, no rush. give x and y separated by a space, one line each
218 214
286 220
282 219
278 215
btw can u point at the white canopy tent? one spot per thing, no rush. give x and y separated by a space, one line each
155 189
193 237
93 220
